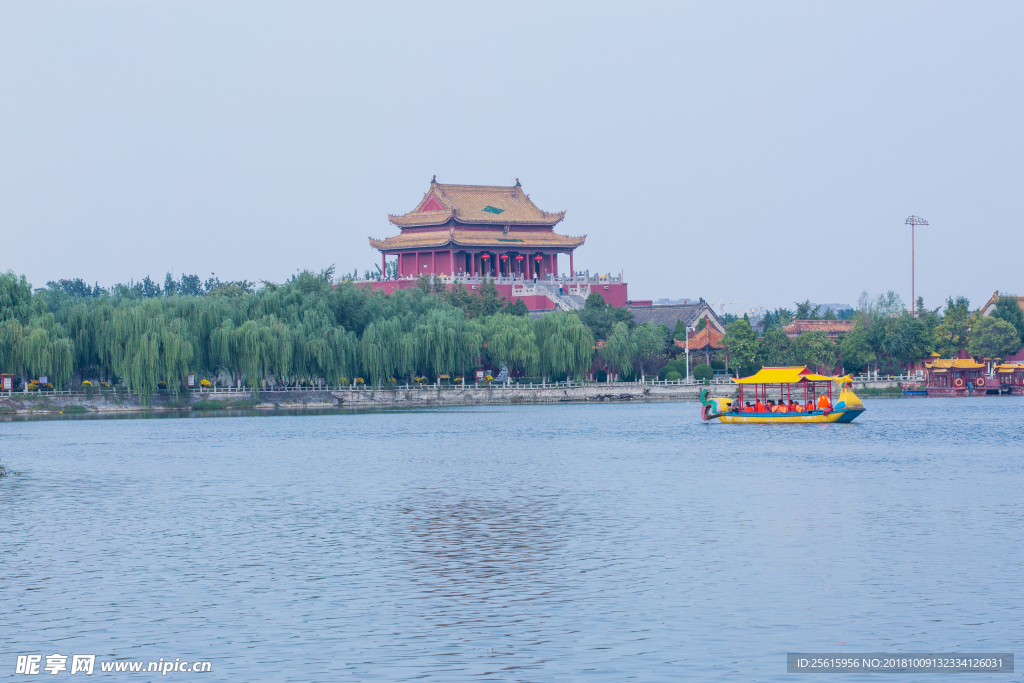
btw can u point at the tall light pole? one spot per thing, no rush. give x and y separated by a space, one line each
688 330
913 221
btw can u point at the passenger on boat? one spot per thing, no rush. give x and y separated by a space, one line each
749 408
824 403
809 407
759 407
794 407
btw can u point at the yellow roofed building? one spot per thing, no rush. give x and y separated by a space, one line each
464 233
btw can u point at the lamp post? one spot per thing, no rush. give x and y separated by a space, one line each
688 330
913 221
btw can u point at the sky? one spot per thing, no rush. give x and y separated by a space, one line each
748 152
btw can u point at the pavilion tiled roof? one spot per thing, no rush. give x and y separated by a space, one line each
476 204
957 363
512 241
672 314
798 327
708 338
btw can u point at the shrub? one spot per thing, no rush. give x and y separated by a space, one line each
673 376
205 383
703 372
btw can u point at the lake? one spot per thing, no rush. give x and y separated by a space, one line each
603 542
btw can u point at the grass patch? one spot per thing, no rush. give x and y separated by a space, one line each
8 410
879 392
239 404
75 410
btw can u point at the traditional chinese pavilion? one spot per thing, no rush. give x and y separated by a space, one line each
477 229
706 341
1011 378
955 377
463 233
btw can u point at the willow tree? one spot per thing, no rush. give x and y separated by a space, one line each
512 340
566 345
445 343
619 349
386 350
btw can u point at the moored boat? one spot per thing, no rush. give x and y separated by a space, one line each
785 396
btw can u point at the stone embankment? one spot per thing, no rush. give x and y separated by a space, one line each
402 396
497 394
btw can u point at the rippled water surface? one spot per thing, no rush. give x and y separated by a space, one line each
519 543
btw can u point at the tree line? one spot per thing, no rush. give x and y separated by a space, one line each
309 329
315 329
884 336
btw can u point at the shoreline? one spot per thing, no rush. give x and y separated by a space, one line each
402 397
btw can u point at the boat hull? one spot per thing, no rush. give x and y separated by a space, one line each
838 417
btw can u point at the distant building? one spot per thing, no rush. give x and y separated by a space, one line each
669 316
834 328
990 306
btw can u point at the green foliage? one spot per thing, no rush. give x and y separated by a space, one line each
741 342
701 324
619 349
678 366
602 318
953 334
815 350
1008 309
518 308
780 317
649 348
673 376
804 311
679 331
703 372
511 340
566 345
994 338
855 348
487 301
775 350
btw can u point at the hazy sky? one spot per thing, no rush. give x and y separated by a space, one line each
752 151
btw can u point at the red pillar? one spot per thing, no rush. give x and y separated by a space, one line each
472 263
401 272
571 268
383 264
554 264
433 262
451 262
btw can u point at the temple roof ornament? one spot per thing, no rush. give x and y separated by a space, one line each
476 205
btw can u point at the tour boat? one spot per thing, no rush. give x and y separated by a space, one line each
785 396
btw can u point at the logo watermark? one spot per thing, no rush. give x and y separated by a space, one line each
32 665
899 662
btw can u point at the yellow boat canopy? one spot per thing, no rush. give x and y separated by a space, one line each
785 376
